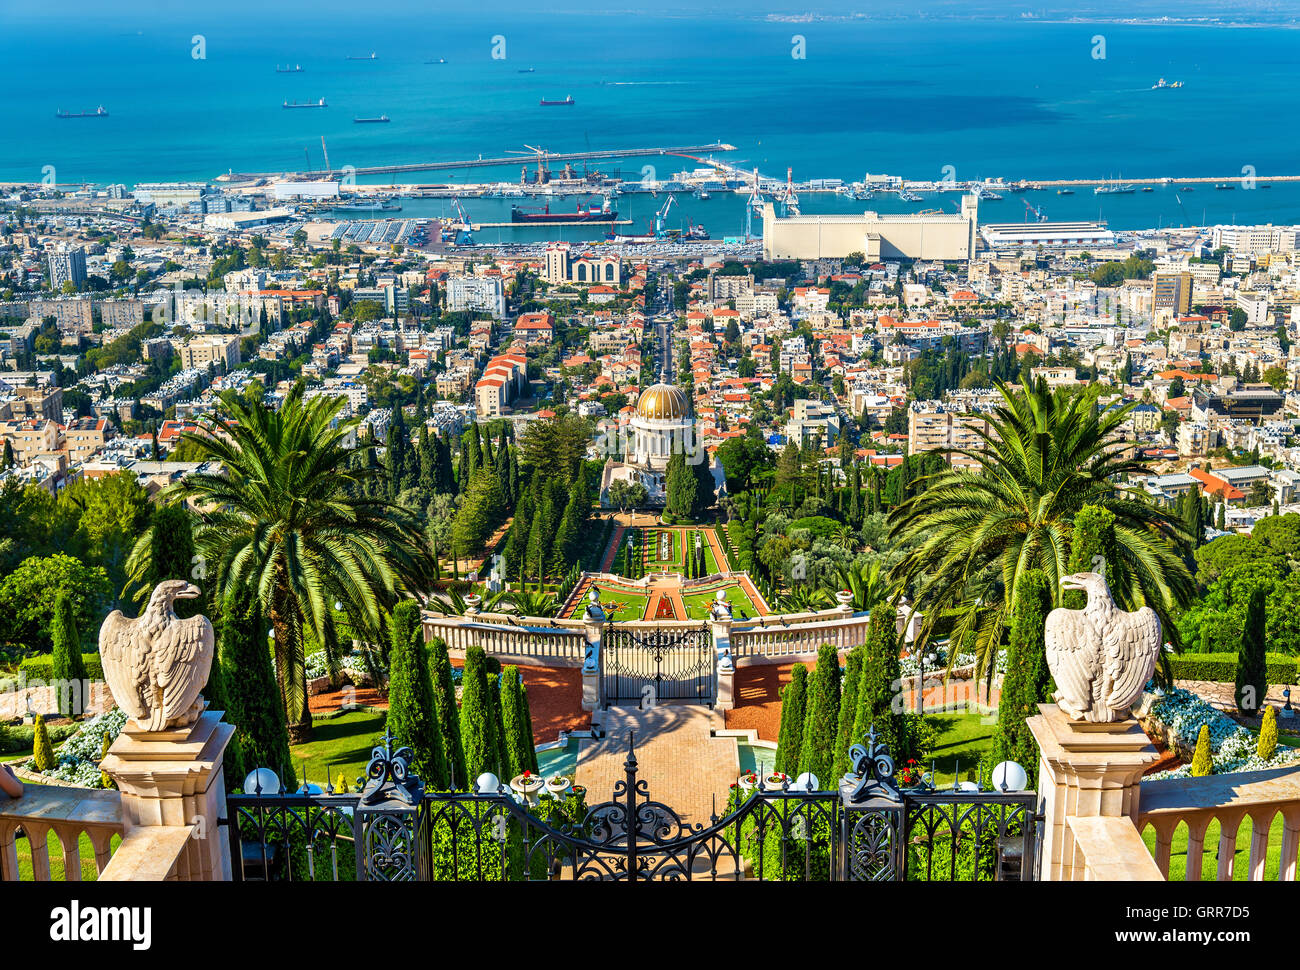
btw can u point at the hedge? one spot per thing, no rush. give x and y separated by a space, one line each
19 738
42 667
1281 668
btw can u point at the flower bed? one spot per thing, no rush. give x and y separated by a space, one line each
1179 714
79 756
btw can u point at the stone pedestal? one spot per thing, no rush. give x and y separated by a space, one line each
723 664
593 622
173 778
1086 770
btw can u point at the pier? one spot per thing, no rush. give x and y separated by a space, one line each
499 161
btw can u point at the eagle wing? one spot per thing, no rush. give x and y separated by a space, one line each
182 652
124 654
1131 646
1071 645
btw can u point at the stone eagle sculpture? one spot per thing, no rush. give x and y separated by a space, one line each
1100 656
157 663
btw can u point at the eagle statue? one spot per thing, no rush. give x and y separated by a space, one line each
157 663
1100 656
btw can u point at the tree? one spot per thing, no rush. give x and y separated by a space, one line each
681 487
705 494
1092 549
477 737
821 720
1202 760
789 744
252 697
1042 458
879 684
1267 745
498 722
1252 672
444 704
528 726
519 756
288 516
28 595
68 670
848 711
42 750
482 509
412 716
1027 680
168 553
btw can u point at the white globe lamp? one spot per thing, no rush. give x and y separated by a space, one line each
1009 776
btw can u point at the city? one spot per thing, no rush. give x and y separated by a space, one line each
612 511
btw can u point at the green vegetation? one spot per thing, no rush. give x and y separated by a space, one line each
789 744
1027 680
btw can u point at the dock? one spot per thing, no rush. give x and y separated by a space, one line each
547 225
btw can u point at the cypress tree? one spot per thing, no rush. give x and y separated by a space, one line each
789 745
498 725
444 705
848 711
855 498
880 681
218 699
1267 744
476 735
412 719
680 487
1027 680
528 724
1091 543
821 720
704 494
1252 672
42 750
67 668
252 694
1202 757
518 756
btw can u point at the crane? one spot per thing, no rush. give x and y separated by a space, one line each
754 204
325 151
543 175
1039 214
789 200
661 216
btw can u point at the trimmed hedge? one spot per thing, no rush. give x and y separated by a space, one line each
19 738
42 667
1281 668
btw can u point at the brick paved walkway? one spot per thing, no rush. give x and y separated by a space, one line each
682 765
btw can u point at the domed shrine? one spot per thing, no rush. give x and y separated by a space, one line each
661 426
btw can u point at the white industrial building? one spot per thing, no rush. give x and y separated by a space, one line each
878 236
1002 236
306 190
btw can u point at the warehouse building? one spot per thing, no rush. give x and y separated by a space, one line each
878 236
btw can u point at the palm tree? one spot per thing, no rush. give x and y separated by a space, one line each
846 538
866 582
806 599
286 513
1042 458
529 603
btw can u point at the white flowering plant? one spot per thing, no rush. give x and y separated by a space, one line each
1232 747
79 756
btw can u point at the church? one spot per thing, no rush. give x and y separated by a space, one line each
661 426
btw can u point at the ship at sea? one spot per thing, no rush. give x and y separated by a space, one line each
381 120
306 104
551 104
296 69
379 205
372 56
100 112
1114 188
542 217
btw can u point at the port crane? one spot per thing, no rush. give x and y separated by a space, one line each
753 205
789 200
661 217
326 152
541 154
1039 214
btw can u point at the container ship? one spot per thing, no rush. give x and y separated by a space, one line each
552 104
100 112
545 216
306 104
381 120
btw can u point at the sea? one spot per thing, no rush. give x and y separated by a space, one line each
195 96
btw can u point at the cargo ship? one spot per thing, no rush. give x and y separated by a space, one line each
100 112
603 213
552 104
306 104
381 120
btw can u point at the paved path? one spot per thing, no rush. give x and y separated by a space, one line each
683 766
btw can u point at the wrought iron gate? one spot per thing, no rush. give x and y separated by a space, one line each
657 665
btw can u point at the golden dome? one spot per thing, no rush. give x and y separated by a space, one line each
662 402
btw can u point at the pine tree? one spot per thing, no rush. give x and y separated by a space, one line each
1202 760
848 711
821 719
1267 745
789 744
518 755
68 670
1027 680
412 718
42 750
1252 671
444 705
476 735
253 696
881 679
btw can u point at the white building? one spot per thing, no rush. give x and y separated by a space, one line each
484 293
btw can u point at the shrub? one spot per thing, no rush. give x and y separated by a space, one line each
476 726
42 750
444 703
65 659
1201 763
789 743
512 721
1027 678
821 720
848 711
253 696
411 715
1267 734
42 667
1252 678
1278 668
881 679
104 780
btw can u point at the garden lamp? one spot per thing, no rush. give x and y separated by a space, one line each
806 782
487 784
1009 776
262 781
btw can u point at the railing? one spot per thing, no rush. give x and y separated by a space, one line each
513 639
83 822
797 634
1229 800
1112 850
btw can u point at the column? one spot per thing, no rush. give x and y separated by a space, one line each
721 620
593 621
1086 770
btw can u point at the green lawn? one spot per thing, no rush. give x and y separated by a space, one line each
962 740
697 604
626 605
339 744
1210 853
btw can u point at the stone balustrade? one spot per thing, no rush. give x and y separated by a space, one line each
1112 850
510 638
1256 797
789 636
84 822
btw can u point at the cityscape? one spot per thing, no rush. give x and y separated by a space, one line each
493 460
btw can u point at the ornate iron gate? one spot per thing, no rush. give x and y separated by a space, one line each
657 665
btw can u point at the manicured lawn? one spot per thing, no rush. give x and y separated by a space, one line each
961 742
1210 853
618 604
339 744
697 604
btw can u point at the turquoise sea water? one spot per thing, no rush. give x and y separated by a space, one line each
1010 99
